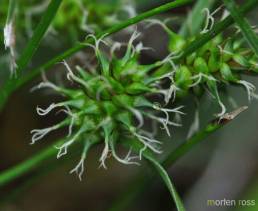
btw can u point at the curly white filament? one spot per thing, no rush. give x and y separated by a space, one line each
9 35
140 47
223 108
45 85
169 94
97 41
250 88
195 125
130 52
9 42
41 133
62 150
116 46
130 10
104 154
164 122
73 118
166 111
43 112
199 78
169 59
209 22
148 143
79 168
138 116
72 77
141 151
152 22
127 160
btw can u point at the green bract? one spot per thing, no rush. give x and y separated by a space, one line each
109 105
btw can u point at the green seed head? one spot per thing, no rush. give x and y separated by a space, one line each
111 102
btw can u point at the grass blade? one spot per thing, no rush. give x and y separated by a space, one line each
243 24
148 155
38 35
164 175
11 10
191 27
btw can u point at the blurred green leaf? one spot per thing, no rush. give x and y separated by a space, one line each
38 35
244 26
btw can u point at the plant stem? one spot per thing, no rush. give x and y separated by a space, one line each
138 185
31 47
21 169
11 11
164 175
245 27
38 35
39 173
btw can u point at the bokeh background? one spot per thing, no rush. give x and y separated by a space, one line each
225 165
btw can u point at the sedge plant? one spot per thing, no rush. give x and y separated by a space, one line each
109 102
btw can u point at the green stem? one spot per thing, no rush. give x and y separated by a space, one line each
164 175
245 27
11 85
28 165
39 173
38 35
138 185
31 47
11 11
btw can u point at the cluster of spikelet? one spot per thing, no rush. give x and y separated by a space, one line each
109 105
219 61
111 102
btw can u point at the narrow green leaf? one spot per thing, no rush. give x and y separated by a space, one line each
164 175
38 34
11 10
195 19
243 24
136 146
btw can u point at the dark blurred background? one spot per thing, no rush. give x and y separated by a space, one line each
224 166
